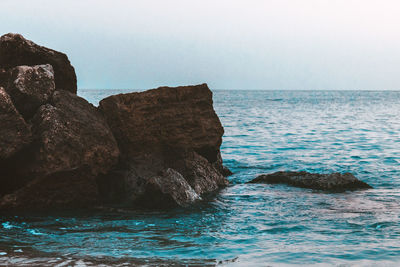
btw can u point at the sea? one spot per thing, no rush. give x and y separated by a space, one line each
251 224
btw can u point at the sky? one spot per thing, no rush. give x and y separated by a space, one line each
242 44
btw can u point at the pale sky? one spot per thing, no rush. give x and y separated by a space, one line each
243 44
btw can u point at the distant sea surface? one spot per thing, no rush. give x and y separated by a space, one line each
252 224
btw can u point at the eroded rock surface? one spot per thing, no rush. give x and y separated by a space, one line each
178 117
333 181
15 51
71 133
31 87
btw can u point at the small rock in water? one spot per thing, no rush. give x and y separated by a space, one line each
333 181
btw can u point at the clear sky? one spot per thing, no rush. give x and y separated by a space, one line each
243 44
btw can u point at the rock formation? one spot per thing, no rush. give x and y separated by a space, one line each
15 51
161 131
333 181
158 148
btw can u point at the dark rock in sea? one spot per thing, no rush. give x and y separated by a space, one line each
159 131
31 87
59 151
14 131
15 51
333 181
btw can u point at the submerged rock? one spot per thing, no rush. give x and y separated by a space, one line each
164 130
31 87
333 181
15 51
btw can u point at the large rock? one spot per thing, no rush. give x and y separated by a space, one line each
14 132
15 51
333 181
31 87
178 117
70 133
172 131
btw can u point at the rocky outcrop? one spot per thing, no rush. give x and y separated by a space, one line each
333 181
173 129
31 87
59 151
15 51
180 117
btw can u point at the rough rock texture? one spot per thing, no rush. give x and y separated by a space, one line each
178 117
15 50
14 132
202 176
333 181
72 144
70 133
161 131
3 77
59 151
167 189
31 87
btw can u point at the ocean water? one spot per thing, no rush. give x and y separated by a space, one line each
251 224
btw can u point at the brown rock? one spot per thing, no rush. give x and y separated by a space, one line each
31 87
177 117
15 50
164 130
333 181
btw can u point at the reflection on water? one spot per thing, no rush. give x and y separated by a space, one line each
250 224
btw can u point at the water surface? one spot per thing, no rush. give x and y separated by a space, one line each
250 224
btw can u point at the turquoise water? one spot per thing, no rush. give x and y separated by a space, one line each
250 224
